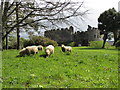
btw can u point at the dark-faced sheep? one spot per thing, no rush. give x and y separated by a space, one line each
40 47
66 48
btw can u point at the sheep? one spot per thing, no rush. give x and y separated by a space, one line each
49 50
28 50
40 47
31 50
66 48
23 52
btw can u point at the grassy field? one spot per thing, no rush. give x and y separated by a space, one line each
83 68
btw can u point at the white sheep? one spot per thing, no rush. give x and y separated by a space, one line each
66 48
49 50
40 47
28 50
32 50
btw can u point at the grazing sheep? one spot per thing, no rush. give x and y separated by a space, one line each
32 50
23 52
49 50
40 47
66 48
28 50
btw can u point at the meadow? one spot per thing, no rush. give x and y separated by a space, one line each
85 67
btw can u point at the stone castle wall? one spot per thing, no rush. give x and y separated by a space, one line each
93 34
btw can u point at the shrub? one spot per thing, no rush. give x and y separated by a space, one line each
34 40
72 44
117 44
39 40
98 44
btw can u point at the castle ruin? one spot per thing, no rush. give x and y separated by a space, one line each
67 35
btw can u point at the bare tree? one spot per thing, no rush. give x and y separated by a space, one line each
36 14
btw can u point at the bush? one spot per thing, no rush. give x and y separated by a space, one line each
39 40
98 44
117 44
72 44
34 40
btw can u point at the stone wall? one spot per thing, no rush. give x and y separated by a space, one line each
93 34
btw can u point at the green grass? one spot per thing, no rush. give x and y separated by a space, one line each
0 70
83 68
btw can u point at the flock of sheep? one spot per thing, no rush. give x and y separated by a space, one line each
48 50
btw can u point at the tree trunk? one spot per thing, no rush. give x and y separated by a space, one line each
104 38
1 32
18 36
18 39
6 44
115 37
4 23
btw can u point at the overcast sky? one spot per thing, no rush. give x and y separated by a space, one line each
96 8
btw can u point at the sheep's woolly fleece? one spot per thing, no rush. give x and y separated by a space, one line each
66 48
29 50
49 50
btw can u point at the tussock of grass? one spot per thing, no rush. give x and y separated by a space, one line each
83 68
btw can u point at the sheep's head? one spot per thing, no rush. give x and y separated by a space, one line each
47 52
40 47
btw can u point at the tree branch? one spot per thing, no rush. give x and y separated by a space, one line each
16 25
12 10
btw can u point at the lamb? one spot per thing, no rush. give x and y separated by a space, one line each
49 50
40 47
66 48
